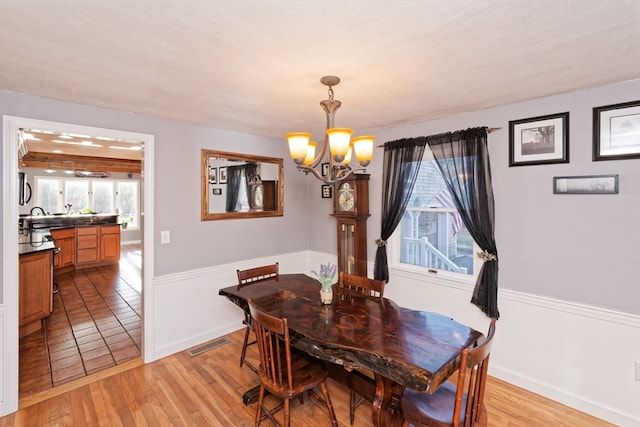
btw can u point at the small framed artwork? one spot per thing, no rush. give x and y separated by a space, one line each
616 131
539 140
213 175
223 175
589 184
325 169
217 191
327 191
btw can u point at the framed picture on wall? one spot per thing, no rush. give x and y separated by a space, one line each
590 184
326 191
213 175
616 131
539 140
223 175
217 191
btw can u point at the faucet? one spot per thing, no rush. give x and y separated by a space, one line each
35 208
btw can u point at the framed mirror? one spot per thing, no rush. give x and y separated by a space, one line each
241 186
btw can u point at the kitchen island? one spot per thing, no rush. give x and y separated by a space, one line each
36 281
84 240
49 245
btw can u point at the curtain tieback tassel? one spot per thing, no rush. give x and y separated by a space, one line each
486 256
381 243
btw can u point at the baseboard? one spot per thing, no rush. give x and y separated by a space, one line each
179 346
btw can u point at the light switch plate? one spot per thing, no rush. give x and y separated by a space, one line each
165 237
637 370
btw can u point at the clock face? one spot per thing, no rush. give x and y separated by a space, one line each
346 199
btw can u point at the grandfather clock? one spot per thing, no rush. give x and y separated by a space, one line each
351 210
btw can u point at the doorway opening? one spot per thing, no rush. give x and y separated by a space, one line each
10 295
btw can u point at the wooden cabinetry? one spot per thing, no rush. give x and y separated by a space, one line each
87 249
35 290
83 247
110 243
270 195
65 239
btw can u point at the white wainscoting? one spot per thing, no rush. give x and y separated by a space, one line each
189 311
579 355
3 373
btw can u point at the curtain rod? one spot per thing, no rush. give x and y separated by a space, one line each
489 130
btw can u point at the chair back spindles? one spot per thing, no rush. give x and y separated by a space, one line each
257 274
249 277
350 285
284 372
358 285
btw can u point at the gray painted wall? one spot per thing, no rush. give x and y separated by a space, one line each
580 248
577 248
194 243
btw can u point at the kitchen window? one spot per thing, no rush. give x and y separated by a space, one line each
113 196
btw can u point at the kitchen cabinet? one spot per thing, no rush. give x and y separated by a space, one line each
35 290
110 243
97 245
65 239
87 248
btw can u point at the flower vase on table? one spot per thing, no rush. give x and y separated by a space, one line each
326 278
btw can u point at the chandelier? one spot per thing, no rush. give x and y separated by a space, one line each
338 141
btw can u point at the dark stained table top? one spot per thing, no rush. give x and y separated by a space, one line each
416 349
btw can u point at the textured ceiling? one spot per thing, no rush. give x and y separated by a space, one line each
254 66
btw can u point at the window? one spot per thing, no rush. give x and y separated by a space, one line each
49 191
127 202
431 233
96 195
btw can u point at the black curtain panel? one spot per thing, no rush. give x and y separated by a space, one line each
401 164
234 180
463 159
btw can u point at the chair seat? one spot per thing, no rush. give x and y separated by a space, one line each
307 373
437 406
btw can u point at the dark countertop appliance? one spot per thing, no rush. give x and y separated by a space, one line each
24 195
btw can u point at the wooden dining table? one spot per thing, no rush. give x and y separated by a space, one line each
402 347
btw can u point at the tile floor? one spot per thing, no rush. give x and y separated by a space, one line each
95 324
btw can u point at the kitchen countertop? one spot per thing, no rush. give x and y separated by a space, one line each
34 242
64 221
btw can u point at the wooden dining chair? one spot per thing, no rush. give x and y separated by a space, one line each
358 285
454 404
248 277
285 372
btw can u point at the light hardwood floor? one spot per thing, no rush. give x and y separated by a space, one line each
207 389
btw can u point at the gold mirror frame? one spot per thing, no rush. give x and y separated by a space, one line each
208 188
